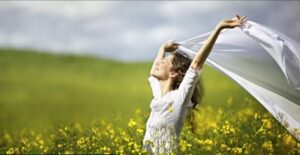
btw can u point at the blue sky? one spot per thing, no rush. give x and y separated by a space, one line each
129 30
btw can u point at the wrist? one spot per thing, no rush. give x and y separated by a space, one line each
162 49
219 28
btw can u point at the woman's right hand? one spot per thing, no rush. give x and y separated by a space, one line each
170 46
232 23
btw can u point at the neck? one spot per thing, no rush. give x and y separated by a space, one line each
166 86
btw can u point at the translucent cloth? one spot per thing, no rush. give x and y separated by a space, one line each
263 61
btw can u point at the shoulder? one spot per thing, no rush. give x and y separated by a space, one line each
154 83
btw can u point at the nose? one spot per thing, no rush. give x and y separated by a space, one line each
157 63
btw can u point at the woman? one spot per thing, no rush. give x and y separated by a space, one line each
173 79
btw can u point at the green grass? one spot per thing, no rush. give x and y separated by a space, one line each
36 88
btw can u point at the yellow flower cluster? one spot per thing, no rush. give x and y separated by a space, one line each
227 129
131 123
268 146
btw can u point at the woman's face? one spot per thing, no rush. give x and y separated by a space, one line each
163 67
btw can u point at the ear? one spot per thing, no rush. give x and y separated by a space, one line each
174 74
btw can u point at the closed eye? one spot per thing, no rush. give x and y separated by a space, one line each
163 62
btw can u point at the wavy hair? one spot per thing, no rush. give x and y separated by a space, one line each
181 64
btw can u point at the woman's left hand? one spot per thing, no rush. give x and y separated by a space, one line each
232 23
170 46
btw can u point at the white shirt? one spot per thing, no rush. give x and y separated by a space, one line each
168 113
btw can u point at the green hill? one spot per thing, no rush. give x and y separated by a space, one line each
40 88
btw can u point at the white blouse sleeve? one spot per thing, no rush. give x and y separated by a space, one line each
154 86
186 88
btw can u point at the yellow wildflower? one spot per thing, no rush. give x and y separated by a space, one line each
208 141
223 146
237 150
140 131
229 101
131 123
68 152
268 146
138 111
287 139
170 108
10 151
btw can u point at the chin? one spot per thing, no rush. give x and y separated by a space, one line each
156 75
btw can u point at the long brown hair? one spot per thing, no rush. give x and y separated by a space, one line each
181 64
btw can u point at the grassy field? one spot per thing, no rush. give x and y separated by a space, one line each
78 104
38 87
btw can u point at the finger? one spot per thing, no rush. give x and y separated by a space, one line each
176 44
243 21
243 24
170 41
238 17
244 17
234 18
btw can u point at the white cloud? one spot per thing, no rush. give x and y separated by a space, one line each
164 32
101 24
67 9
19 39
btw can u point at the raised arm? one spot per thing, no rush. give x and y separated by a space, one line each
166 47
203 53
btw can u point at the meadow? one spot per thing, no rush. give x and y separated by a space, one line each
81 104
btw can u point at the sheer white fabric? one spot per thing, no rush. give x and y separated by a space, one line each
263 61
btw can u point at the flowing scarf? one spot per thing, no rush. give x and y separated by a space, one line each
263 61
